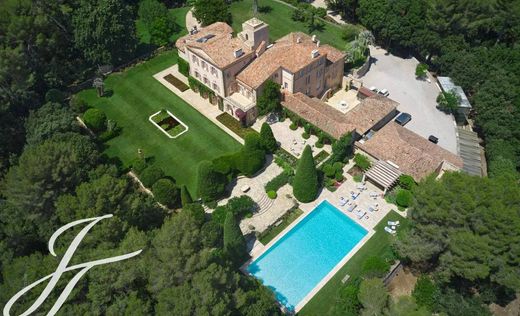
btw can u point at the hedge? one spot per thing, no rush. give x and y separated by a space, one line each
185 196
165 192
95 119
150 175
277 182
403 198
211 184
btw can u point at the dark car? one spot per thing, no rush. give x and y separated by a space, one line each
403 118
433 139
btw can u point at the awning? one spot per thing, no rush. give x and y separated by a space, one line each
240 114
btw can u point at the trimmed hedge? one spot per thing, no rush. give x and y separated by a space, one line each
277 182
150 175
211 184
95 119
165 192
184 67
305 183
185 196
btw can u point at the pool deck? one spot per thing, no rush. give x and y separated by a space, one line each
368 222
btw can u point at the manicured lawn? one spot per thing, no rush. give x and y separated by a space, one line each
134 96
271 233
378 245
280 22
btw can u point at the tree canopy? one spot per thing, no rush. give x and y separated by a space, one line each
210 11
305 183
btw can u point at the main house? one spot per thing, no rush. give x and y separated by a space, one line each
237 68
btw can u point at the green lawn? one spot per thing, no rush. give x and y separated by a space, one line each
280 22
378 245
135 95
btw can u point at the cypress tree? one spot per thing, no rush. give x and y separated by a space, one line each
305 182
234 242
185 196
267 138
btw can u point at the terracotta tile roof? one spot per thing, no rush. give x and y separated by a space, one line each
220 48
335 123
366 92
413 154
288 54
218 29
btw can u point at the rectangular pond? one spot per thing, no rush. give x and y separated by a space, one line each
299 260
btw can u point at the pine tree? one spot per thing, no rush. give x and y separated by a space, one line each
305 183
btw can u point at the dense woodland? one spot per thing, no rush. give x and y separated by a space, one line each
465 230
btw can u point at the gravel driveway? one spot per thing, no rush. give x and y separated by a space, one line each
416 97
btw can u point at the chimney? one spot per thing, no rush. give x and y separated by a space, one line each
298 40
315 53
318 44
314 38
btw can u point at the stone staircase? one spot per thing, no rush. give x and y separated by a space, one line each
264 203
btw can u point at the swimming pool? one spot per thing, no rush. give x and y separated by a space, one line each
299 260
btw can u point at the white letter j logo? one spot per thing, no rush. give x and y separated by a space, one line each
62 267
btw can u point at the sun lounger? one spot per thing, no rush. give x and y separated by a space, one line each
351 208
372 209
374 194
360 187
360 214
390 230
342 201
392 223
355 195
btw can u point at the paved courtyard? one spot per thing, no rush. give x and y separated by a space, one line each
416 97
292 141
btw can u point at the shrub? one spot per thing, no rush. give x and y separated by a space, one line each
425 292
339 176
321 12
349 33
329 170
342 148
272 195
421 70
362 161
404 198
165 192
406 182
77 104
305 135
375 267
241 206
95 119
349 304
293 127
252 141
225 164
234 242
307 128
267 139
185 196
150 175
319 144
211 184
305 182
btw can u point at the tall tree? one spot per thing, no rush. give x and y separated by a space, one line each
211 184
104 30
234 241
305 182
373 296
210 11
269 99
267 138
48 120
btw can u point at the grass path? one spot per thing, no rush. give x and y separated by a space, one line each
135 96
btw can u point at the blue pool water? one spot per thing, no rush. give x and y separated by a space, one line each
299 260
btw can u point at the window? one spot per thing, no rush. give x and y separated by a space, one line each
308 79
197 75
205 80
204 66
215 87
194 58
285 85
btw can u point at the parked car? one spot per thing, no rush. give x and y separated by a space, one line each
403 118
372 88
433 139
384 92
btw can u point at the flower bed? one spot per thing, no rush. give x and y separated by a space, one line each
170 125
176 82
